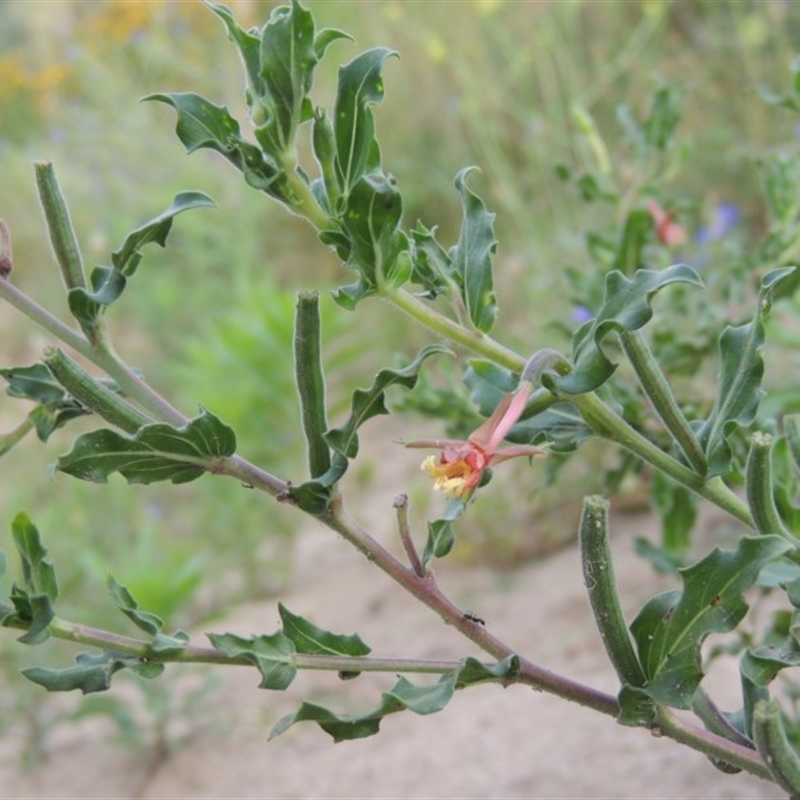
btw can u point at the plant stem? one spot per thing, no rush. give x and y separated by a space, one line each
604 422
667 722
427 592
660 395
474 340
191 654
401 504
15 436
101 355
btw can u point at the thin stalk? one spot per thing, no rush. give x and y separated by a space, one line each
716 747
303 202
611 426
775 747
427 592
474 340
6 255
191 654
15 436
659 393
101 356
401 505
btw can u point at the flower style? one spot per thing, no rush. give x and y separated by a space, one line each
460 466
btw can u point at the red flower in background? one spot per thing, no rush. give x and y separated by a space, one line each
669 233
460 466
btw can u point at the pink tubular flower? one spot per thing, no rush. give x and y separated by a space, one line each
669 233
460 467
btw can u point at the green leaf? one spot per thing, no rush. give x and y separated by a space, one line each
472 256
201 124
403 696
441 536
108 283
288 58
55 407
33 383
740 381
272 655
677 507
432 266
92 673
125 602
626 307
156 452
38 574
360 86
155 230
368 403
378 250
671 627
309 639
313 496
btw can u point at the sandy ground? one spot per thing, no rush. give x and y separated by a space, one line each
489 742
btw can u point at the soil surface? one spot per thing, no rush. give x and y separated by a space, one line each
488 742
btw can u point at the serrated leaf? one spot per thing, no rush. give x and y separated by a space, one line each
125 602
403 696
671 627
472 256
311 640
742 369
272 655
157 452
360 86
92 673
626 307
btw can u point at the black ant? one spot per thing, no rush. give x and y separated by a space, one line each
474 618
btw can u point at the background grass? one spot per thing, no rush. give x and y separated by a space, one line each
209 319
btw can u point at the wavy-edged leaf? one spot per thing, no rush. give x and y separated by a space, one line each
311 640
313 496
742 369
157 452
55 407
272 655
157 229
368 403
377 248
472 256
201 124
671 627
108 283
441 536
126 603
432 266
360 86
626 307
92 673
403 696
